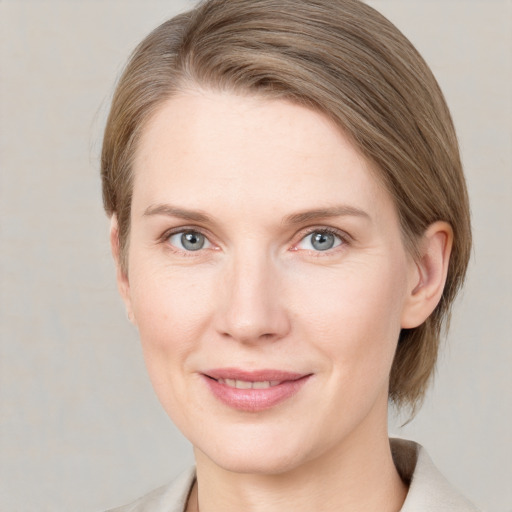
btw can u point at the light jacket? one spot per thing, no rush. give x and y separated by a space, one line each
428 491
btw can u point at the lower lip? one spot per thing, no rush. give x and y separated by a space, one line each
254 400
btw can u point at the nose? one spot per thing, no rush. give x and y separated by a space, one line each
250 306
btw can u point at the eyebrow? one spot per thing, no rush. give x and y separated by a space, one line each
325 213
173 211
293 219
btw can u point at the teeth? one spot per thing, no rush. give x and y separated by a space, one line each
261 385
243 384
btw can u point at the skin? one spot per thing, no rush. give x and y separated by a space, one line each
259 295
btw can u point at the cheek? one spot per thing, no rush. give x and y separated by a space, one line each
171 309
354 316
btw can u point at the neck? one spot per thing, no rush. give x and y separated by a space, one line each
358 476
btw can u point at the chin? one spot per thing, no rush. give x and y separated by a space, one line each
255 464
255 453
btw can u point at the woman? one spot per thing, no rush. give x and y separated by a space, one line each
290 225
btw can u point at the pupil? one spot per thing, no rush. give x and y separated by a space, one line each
192 241
322 241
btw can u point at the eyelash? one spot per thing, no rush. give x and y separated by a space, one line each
342 236
164 239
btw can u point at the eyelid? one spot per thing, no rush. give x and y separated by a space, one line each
164 239
342 235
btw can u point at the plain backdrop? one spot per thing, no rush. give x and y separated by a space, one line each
80 427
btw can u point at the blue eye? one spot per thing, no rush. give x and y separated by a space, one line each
320 241
189 241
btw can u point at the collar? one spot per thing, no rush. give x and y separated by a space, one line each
428 488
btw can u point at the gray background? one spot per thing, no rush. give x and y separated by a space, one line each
80 428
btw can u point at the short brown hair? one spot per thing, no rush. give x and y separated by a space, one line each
344 59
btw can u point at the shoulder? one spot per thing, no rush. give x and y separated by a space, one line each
168 498
428 488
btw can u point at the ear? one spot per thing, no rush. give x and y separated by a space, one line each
428 275
123 284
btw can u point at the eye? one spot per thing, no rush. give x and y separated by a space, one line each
189 241
320 240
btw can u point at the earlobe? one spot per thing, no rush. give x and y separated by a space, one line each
429 277
123 284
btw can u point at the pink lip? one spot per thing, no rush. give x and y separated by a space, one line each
254 400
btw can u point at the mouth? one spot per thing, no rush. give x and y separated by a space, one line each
247 384
253 391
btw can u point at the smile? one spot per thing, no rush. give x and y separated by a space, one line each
253 391
246 384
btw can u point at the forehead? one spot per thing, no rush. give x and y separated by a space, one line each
206 146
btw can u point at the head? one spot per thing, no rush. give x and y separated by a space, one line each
340 59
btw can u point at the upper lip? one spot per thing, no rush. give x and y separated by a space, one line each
253 375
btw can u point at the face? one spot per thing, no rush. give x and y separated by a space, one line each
267 278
